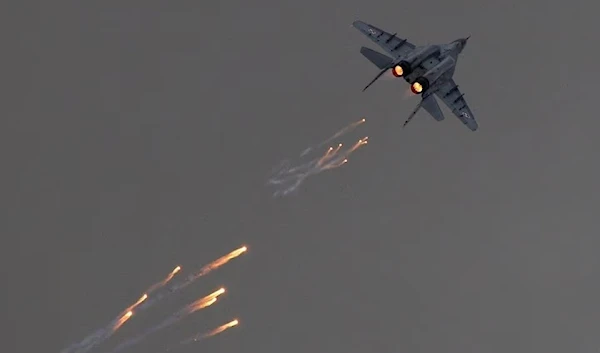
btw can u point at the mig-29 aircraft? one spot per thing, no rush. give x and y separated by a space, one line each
429 69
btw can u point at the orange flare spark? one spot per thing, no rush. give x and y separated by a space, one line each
221 261
164 281
222 328
205 301
362 141
203 304
171 275
122 320
356 123
140 301
136 304
211 333
330 153
339 164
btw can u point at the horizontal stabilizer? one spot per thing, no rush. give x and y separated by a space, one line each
433 108
380 60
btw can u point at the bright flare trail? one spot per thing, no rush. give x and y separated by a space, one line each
287 178
148 299
102 334
193 277
211 333
189 309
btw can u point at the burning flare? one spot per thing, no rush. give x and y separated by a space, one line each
122 320
205 301
198 304
221 261
211 333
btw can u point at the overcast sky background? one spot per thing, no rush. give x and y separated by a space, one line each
138 135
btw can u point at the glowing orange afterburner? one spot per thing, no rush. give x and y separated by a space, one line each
398 71
416 88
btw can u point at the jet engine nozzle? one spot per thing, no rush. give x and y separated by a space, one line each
420 85
401 69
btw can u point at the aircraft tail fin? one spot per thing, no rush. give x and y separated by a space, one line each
380 60
432 107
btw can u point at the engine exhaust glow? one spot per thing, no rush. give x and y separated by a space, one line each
416 88
398 71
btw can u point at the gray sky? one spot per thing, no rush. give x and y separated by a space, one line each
138 136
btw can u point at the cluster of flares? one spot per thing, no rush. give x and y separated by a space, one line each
148 299
287 178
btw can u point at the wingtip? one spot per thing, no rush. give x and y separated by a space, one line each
357 23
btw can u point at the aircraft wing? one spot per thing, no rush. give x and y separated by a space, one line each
395 46
449 93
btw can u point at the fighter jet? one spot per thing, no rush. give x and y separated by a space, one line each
429 69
